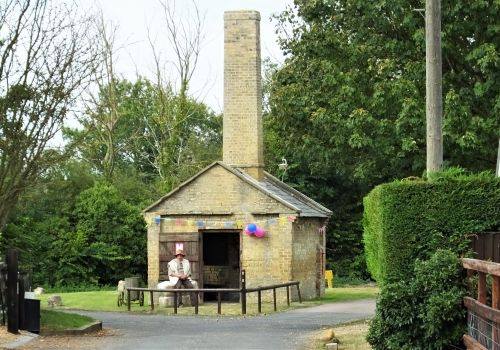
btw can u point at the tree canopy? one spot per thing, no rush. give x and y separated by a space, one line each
347 108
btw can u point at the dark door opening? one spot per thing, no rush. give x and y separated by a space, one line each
221 263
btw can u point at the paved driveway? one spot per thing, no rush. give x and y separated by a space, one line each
286 330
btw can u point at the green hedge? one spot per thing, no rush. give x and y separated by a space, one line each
423 312
415 231
410 219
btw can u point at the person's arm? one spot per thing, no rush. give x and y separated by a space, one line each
172 271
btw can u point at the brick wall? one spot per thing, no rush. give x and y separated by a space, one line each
307 264
242 130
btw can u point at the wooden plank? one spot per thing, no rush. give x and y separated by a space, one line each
171 290
488 267
472 344
482 310
179 237
495 293
482 288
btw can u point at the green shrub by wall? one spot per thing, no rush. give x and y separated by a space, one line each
409 219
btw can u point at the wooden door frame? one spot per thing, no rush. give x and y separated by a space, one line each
202 259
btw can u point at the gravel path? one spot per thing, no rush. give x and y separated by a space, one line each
285 330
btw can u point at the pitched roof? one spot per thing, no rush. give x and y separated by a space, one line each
271 186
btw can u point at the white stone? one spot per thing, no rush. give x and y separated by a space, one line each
332 346
55 300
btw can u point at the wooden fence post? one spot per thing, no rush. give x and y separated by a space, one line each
196 303
151 300
259 301
218 303
175 302
274 299
481 288
243 293
288 295
128 299
298 292
12 284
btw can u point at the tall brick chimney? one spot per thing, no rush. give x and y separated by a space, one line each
243 144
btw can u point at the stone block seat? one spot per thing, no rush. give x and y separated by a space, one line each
167 299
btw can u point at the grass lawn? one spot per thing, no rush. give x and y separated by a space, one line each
51 320
350 293
352 336
106 301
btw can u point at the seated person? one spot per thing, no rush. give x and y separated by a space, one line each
179 273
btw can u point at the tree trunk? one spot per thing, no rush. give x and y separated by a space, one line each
434 99
498 159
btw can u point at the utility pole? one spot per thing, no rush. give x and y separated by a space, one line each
434 89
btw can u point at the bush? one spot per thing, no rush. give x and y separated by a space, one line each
423 312
410 219
414 233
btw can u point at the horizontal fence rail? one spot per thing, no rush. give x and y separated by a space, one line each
243 291
483 321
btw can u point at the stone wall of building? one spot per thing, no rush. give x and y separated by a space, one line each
307 258
243 145
220 196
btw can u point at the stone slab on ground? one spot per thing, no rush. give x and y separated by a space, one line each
15 341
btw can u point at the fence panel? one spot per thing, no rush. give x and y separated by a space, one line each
486 246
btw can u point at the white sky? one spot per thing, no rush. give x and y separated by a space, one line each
134 17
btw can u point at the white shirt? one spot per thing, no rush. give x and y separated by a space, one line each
173 268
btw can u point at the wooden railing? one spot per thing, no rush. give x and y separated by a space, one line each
483 321
243 291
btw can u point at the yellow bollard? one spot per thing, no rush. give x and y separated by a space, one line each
329 278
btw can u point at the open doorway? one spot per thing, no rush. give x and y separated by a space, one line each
221 262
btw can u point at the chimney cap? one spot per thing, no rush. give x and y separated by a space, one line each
242 15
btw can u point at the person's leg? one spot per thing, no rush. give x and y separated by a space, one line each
188 285
178 285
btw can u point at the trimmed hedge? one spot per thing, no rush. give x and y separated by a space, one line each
410 219
414 233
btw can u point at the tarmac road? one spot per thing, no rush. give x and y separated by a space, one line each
285 330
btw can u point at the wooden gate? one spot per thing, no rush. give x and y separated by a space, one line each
192 248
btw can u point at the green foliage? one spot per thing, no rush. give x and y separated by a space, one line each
112 234
74 232
424 310
347 108
409 219
155 134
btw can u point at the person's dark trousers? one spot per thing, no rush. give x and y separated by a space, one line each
188 285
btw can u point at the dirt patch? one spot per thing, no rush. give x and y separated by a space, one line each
6 337
89 341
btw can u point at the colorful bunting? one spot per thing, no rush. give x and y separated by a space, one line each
231 224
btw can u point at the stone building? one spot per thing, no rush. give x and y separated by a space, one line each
207 214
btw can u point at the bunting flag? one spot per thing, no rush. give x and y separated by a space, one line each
230 224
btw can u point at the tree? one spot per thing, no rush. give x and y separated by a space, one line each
347 106
46 61
144 137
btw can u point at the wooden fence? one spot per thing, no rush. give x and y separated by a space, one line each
486 246
243 291
483 320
